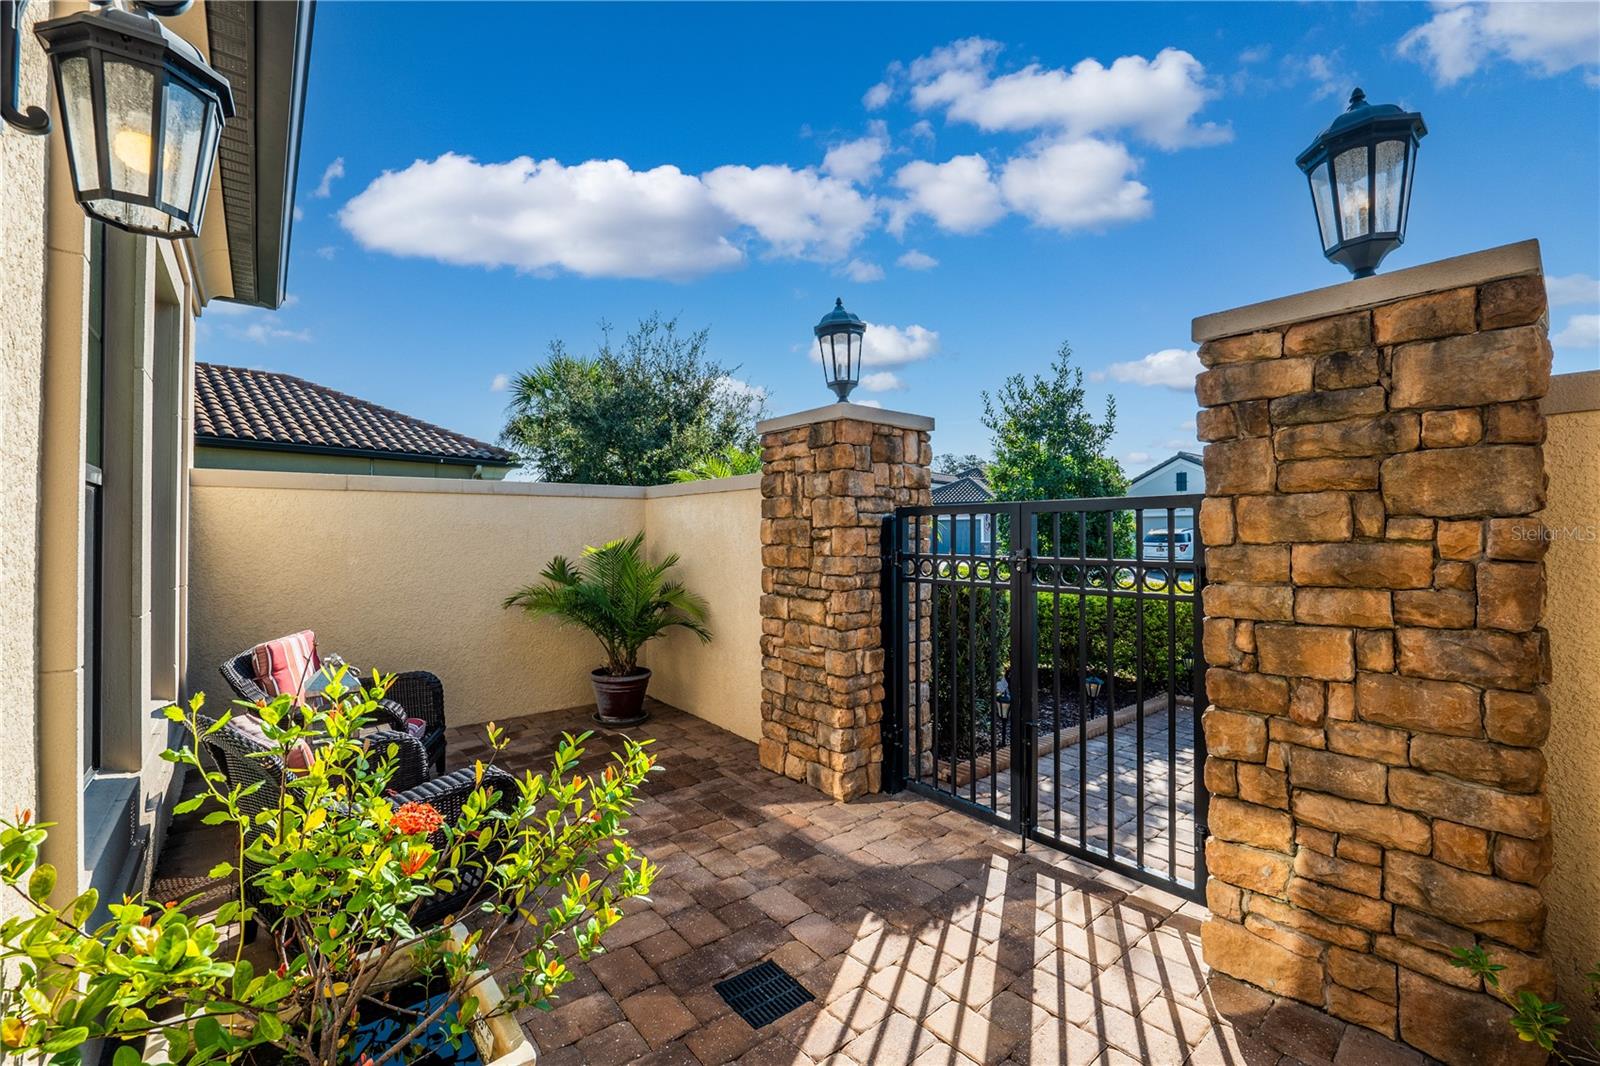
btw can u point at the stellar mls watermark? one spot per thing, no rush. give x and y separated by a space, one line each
1548 534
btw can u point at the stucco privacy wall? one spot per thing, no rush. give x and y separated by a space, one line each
1373 624
1572 524
23 169
715 527
409 573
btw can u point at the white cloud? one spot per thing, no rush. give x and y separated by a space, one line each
915 260
1075 184
334 171
1172 368
595 219
1155 99
877 96
262 333
734 387
893 346
797 212
1189 425
868 403
1548 38
1138 457
958 194
863 270
327 251
1572 289
1583 331
501 383
299 213
857 161
882 381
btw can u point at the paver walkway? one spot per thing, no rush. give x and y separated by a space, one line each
925 937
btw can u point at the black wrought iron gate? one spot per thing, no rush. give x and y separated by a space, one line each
1043 674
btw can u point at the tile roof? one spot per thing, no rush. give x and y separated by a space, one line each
960 488
238 407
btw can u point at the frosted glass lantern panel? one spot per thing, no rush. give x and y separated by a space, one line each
1388 178
184 123
1350 174
130 103
1322 196
78 106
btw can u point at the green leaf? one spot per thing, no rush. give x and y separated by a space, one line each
40 885
68 1039
126 1056
221 869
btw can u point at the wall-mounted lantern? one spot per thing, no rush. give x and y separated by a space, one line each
140 109
839 341
1360 169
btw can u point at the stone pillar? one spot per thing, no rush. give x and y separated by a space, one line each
1373 635
829 476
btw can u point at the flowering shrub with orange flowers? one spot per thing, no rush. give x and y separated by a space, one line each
340 875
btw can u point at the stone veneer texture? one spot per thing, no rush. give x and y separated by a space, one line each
1375 660
825 490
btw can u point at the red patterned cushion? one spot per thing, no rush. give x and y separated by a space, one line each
287 665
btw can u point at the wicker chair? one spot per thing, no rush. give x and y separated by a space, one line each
243 760
416 694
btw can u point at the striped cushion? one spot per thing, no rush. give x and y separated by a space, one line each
287 665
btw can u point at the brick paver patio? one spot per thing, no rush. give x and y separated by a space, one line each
925 937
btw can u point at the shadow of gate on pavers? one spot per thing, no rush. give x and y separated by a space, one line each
1042 674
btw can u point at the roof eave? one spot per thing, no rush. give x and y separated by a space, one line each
204 440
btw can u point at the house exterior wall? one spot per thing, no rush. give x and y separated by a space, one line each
212 457
409 573
24 254
1164 482
1572 523
108 822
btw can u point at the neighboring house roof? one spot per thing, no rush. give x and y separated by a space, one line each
1189 457
968 486
264 50
239 408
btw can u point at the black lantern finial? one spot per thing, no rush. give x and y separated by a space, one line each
1360 170
142 112
839 342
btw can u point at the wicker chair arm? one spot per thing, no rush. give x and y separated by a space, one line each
448 793
421 694
410 757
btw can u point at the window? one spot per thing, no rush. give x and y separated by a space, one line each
93 483
1183 481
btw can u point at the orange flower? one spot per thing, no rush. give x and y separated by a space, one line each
415 860
416 818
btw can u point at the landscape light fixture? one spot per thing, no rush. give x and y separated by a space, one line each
1360 170
839 341
1092 686
141 112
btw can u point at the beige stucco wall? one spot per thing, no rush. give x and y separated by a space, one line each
716 531
1572 462
409 573
23 174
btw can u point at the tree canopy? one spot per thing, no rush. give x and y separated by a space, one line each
1047 446
631 413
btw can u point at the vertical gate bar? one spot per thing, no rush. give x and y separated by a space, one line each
1111 684
1139 577
1197 748
935 733
893 775
916 643
1055 666
972 661
992 602
954 639
1172 708
1083 688
1024 782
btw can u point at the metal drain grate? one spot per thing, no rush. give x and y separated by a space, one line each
763 994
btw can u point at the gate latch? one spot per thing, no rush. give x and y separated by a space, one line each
1020 560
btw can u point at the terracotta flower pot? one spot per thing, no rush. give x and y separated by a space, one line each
619 701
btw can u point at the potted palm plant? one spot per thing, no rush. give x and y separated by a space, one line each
625 601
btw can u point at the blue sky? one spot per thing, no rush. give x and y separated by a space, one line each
978 182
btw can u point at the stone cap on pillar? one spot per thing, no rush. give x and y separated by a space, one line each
1476 268
856 411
